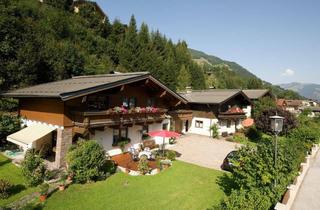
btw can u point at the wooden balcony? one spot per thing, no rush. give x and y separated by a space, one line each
91 119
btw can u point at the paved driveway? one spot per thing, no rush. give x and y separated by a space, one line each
203 151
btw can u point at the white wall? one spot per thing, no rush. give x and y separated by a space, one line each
224 128
248 111
205 130
105 137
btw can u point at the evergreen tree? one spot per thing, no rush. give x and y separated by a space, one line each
183 78
129 48
114 39
254 83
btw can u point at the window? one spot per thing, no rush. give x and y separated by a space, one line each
228 123
129 102
165 126
119 134
98 102
150 102
125 102
199 124
132 102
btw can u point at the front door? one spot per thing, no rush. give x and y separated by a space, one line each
186 125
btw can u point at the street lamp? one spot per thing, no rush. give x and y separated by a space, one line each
276 127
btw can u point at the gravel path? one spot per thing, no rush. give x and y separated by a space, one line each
203 151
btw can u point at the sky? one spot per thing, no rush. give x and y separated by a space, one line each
277 40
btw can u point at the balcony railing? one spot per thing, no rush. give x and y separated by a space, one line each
118 116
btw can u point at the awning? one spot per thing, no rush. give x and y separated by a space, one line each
28 135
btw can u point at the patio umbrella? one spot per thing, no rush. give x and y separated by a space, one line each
247 122
164 134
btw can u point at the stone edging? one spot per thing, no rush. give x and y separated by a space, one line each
136 173
292 190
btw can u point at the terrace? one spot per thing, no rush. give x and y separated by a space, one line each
117 116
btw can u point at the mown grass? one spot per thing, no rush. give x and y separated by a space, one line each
183 186
13 174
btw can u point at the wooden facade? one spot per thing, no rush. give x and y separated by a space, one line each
46 110
93 110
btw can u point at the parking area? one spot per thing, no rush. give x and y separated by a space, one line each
203 150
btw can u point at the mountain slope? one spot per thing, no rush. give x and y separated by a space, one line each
198 56
311 91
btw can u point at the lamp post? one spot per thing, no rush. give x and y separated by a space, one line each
276 127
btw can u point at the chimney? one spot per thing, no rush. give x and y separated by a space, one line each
188 89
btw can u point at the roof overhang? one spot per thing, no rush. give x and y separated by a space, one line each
79 93
76 94
225 100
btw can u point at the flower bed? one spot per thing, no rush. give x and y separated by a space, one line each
127 165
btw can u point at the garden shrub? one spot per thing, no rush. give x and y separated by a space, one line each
8 104
170 154
263 104
122 145
33 168
255 172
240 137
263 120
244 199
5 188
253 134
8 124
87 161
308 135
214 131
143 166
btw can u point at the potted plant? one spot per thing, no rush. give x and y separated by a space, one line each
43 190
62 183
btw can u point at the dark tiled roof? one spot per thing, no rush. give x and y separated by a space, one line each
83 85
68 87
255 94
214 96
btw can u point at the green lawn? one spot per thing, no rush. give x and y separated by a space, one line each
13 174
183 186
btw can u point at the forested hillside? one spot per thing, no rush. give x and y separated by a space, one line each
42 42
196 54
227 74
